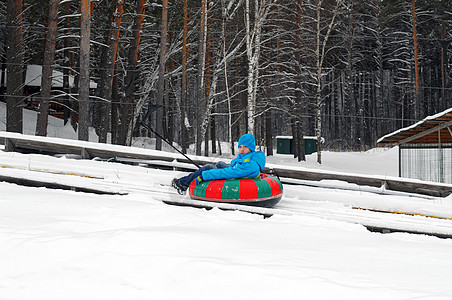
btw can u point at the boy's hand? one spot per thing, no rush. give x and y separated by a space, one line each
198 179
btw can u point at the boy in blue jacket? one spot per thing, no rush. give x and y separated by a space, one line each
249 163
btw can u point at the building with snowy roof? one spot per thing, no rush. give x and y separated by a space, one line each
32 88
425 148
33 77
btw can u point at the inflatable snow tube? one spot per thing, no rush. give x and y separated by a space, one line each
265 191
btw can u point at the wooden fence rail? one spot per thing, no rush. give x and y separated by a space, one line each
87 150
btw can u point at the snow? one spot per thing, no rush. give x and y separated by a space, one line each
59 244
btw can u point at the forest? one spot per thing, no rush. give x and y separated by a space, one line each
202 72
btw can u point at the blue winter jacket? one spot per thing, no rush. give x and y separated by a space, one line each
247 165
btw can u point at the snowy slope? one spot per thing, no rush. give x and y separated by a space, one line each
71 245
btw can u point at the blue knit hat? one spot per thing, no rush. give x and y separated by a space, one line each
248 140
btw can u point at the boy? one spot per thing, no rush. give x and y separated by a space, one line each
249 163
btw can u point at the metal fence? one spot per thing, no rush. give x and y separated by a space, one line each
425 162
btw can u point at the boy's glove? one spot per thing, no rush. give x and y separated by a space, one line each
198 179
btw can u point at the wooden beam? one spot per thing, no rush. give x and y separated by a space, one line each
89 150
424 133
42 182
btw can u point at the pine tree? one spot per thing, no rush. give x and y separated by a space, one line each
47 69
15 61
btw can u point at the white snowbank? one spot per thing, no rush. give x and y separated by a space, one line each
70 245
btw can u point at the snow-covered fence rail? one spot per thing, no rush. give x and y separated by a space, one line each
385 183
89 150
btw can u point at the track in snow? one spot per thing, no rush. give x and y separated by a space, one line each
288 206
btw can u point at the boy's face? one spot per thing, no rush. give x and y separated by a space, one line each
244 149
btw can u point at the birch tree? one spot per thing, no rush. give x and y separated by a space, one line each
47 69
253 49
225 15
69 61
161 82
201 71
321 41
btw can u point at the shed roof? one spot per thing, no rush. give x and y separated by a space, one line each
436 129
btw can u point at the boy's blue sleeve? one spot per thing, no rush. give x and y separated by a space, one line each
241 169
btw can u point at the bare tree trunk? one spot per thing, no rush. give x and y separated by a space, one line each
15 60
207 68
161 82
444 63
293 123
3 67
201 66
183 102
127 111
68 64
108 60
73 62
251 64
300 150
114 109
47 69
170 102
269 131
227 89
84 104
320 53
298 132
213 133
416 62
318 95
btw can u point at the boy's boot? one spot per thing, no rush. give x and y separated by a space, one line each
175 184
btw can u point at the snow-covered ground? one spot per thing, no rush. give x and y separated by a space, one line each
59 244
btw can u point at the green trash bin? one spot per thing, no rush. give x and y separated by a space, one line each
310 145
284 145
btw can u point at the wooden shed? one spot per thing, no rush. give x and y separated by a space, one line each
425 148
32 88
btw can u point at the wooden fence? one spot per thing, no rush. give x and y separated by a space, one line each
133 155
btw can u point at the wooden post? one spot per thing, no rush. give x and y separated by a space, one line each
441 158
85 154
9 145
